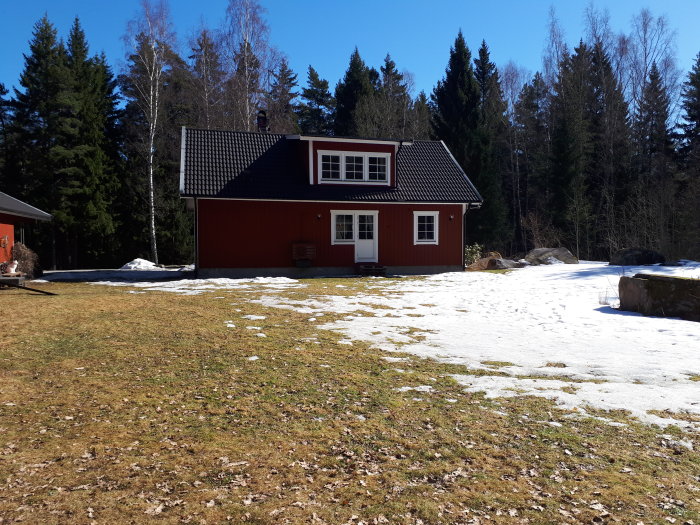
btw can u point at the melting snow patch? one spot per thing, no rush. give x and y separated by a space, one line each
139 264
253 317
345 342
261 335
422 388
394 359
253 358
553 320
254 327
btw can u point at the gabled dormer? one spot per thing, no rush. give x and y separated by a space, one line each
350 161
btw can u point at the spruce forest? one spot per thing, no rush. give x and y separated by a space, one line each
598 151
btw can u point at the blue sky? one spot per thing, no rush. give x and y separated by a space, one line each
323 33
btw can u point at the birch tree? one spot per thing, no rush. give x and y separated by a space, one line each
208 78
251 61
149 38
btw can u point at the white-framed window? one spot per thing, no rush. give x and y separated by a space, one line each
349 226
343 228
352 166
425 227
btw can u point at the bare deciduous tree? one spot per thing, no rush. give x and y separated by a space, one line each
149 38
652 41
208 78
251 60
555 49
513 78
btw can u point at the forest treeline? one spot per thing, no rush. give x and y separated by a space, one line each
600 150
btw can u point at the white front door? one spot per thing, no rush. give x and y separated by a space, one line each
366 236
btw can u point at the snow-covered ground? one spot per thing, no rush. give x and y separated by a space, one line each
551 329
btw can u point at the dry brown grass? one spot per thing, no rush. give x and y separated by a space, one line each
132 408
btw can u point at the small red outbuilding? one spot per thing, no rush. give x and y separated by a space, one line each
13 212
301 205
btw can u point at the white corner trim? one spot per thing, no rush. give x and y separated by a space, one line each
436 225
311 162
182 159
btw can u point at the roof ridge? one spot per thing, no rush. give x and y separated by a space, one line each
242 132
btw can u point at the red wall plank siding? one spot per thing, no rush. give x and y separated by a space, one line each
260 234
7 229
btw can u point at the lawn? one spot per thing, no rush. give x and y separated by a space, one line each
122 407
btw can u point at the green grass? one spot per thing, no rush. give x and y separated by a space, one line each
122 408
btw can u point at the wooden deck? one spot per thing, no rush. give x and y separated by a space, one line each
12 279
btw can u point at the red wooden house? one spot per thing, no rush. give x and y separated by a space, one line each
299 205
12 213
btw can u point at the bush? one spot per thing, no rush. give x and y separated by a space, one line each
27 260
472 253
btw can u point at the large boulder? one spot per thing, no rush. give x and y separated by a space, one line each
499 263
494 262
550 256
636 257
661 296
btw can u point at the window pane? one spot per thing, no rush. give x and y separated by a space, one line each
354 167
365 227
330 166
343 228
426 228
377 168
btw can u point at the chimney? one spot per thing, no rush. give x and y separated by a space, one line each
262 121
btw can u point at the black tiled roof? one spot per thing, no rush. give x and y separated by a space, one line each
235 164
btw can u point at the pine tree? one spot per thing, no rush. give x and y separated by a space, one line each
532 126
690 127
4 131
385 112
419 118
609 168
650 206
87 171
689 188
36 113
43 118
455 101
490 224
280 104
654 144
572 148
356 85
314 112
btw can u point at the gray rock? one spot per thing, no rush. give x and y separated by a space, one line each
661 296
503 264
550 256
636 257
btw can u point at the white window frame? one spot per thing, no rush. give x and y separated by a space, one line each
334 217
355 224
436 230
365 167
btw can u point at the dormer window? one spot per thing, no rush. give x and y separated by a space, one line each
355 167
